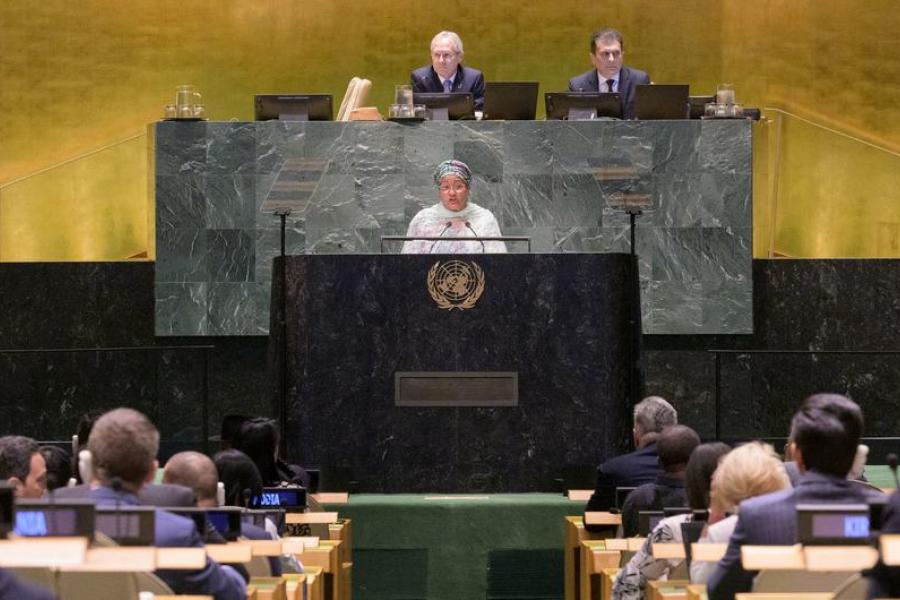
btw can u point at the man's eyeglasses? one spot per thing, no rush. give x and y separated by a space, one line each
444 55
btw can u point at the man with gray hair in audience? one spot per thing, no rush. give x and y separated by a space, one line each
23 466
651 416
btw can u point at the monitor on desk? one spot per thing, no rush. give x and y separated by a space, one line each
833 524
583 106
40 518
127 525
510 100
443 106
293 107
289 498
660 102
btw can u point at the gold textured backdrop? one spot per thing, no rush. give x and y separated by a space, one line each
79 82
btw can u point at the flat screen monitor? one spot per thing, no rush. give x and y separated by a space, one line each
621 494
442 106
510 100
280 497
648 520
227 522
833 524
39 518
293 107
583 106
127 525
659 102
876 510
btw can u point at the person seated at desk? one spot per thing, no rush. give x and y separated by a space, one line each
608 74
446 74
674 445
124 444
453 217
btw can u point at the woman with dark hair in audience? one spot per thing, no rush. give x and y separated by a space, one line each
59 467
258 439
631 581
239 475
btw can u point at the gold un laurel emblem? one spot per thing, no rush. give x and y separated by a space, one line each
455 284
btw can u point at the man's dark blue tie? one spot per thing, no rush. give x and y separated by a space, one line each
448 85
609 85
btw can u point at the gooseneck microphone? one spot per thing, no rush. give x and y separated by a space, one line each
469 226
892 464
441 234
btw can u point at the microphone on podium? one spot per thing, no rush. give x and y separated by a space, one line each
441 234
469 226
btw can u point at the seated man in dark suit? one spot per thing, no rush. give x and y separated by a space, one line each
446 73
651 416
825 432
23 466
608 74
199 471
124 444
674 446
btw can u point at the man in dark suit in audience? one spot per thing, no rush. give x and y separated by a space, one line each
152 494
884 581
651 416
123 445
199 471
446 73
23 466
674 446
608 74
825 432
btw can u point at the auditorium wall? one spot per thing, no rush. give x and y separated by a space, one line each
81 81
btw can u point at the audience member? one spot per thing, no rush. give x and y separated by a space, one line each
198 471
825 431
22 466
258 439
632 579
748 471
651 416
124 444
59 466
674 445
239 475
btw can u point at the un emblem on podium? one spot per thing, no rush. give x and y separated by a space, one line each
455 284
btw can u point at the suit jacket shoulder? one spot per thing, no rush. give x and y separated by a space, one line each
586 82
13 588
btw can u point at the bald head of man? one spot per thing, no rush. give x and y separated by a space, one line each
196 471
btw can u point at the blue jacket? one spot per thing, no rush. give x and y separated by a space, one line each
12 588
771 520
173 531
629 470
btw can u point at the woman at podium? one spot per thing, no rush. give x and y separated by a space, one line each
461 222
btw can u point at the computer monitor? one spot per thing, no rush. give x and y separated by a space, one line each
621 494
227 522
293 107
582 106
648 520
127 525
833 524
442 106
660 102
510 100
40 518
281 497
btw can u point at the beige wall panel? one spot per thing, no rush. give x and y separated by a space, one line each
80 75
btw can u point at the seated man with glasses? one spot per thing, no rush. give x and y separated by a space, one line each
454 217
446 74
608 74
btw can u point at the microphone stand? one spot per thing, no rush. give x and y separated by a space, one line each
469 226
